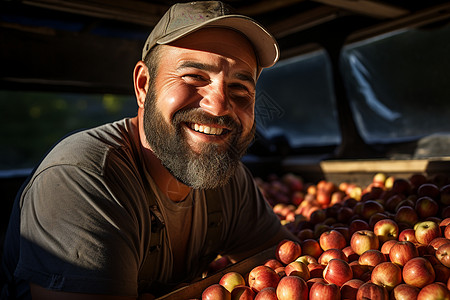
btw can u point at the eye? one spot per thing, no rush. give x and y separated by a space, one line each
195 79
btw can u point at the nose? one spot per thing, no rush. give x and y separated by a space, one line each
215 100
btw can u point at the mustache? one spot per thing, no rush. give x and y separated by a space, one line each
195 115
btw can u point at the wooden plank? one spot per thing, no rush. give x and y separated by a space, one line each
367 7
195 289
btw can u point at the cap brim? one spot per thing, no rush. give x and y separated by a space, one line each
266 47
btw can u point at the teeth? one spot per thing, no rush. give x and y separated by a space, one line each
207 129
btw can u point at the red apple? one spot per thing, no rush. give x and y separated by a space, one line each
242 292
297 268
306 233
292 287
344 230
406 215
372 291
351 255
268 293
386 230
445 195
332 239
261 277
428 190
443 254
363 240
370 208
350 288
401 186
402 252
231 279
426 207
280 271
330 254
273 263
447 231
316 270
324 291
442 273
287 251
216 292
405 292
357 225
418 272
386 247
371 258
444 223
387 274
435 244
338 272
434 291
311 247
393 201
426 231
408 234
359 271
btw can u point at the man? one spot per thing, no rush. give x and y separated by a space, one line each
91 211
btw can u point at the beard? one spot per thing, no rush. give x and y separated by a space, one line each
209 168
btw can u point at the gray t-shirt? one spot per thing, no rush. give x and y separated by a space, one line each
85 224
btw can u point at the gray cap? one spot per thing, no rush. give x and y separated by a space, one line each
183 19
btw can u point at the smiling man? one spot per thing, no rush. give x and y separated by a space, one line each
133 208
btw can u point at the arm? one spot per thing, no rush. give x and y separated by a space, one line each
282 234
39 292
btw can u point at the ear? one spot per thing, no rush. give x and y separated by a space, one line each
141 78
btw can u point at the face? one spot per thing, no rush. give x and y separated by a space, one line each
199 111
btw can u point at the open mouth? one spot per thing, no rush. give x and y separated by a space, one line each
209 130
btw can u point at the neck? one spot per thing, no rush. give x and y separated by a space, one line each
169 185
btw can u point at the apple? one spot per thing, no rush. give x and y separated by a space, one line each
268 293
297 268
338 272
418 272
433 291
287 251
344 230
371 258
406 215
370 208
426 207
442 273
401 186
386 230
332 239
387 274
242 292
351 255
445 195
370 290
393 201
435 244
316 270
318 216
231 279
359 271
328 255
386 247
261 277
306 233
357 225
292 288
402 252
405 291
350 288
428 190
324 291
408 234
280 271
426 231
363 240
306 259
443 254
311 281
447 231
311 247
216 292
273 263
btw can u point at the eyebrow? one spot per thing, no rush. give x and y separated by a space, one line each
211 68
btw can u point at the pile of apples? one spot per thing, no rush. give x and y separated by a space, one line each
389 240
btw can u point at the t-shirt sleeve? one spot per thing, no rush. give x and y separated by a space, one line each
78 234
249 219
